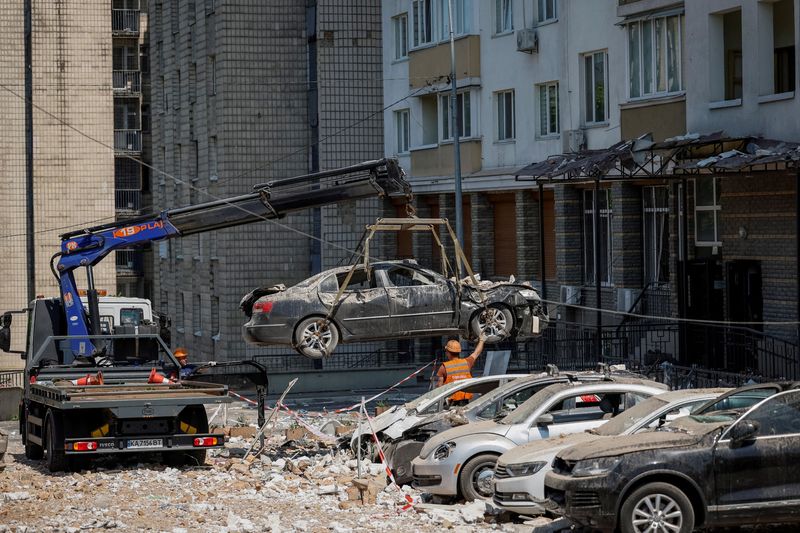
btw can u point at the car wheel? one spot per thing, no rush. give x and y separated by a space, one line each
496 323
657 507
316 339
477 476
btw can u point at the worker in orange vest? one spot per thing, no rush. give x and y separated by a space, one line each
457 368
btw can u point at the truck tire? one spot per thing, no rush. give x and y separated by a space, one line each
196 418
55 457
33 451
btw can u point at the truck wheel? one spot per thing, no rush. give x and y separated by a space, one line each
657 507
196 418
56 458
315 339
475 481
496 323
32 451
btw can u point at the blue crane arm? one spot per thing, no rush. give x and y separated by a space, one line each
86 248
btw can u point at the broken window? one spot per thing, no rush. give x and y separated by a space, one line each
358 282
464 119
504 14
403 277
548 109
654 56
505 115
595 83
400 24
603 231
655 234
422 21
707 209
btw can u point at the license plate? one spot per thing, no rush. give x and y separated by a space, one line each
145 443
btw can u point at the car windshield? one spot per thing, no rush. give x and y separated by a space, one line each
477 405
738 399
431 394
521 413
630 417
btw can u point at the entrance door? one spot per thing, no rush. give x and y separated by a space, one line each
704 291
744 304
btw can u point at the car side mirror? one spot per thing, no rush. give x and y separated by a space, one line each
544 420
743 432
5 332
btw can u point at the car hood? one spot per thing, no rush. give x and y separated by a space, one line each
683 432
382 421
535 449
488 426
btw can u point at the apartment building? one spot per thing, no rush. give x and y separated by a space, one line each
71 172
245 93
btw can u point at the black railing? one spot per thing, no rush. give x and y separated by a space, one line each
125 21
12 378
294 362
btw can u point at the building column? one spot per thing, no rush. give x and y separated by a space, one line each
482 213
528 230
568 236
626 240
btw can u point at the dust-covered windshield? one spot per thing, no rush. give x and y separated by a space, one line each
524 411
431 394
631 417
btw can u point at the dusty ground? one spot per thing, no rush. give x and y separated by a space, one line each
290 487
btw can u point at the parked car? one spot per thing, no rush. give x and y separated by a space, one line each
520 472
400 451
725 468
388 300
461 461
391 423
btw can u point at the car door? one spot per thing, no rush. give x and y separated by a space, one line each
761 474
364 306
419 302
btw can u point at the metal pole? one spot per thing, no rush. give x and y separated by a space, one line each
542 254
797 241
456 131
360 415
684 215
29 207
598 294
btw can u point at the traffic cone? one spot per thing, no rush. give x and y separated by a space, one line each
89 379
155 377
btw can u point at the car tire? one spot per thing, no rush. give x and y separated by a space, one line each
656 501
314 339
498 324
56 459
474 481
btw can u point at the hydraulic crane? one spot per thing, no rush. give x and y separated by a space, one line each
86 248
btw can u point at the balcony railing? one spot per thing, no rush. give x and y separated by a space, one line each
129 262
129 141
127 82
125 21
128 202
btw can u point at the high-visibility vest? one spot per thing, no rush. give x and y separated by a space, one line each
457 369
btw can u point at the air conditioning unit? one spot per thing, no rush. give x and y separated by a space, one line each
573 141
527 41
571 294
625 300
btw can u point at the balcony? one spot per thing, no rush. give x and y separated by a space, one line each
125 22
127 83
129 263
127 201
128 141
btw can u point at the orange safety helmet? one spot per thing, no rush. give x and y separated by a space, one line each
180 353
453 347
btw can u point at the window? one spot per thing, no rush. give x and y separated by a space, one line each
175 15
400 24
164 99
595 83
505 115
403 277
504 16
779 415
430 120
706 211
546 10
603 232
144 59
212 75
181 310
461 17
656 234
783 45
215 318
210 6
548 109
359 282
197 316
176 99
422 21
654 57
192 83
464 121
401 119
212 159
725 55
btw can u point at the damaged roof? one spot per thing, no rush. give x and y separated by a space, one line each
583 164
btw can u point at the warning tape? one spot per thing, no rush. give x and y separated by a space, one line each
408 498
357 405
248 400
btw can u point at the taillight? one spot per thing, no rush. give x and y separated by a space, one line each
84 446
262 307
199 442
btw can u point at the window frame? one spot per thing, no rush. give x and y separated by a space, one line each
546 4
656 93
747 415
715 208
425 23
500 109
503 13
460 7
544 89
402 120
608 215
648 263
444 111
606 107
400 30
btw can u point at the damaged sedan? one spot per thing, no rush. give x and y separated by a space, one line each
388 300
724 468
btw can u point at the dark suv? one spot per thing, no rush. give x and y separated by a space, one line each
723 468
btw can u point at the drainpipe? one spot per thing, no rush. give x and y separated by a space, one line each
455 130
29 204
541 242
598 293
797 241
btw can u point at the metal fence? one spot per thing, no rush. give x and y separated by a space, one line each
12 378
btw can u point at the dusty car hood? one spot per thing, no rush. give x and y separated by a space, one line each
535 449
382 421
488 426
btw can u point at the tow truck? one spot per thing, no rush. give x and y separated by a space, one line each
93 387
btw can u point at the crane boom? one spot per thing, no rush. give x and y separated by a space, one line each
86 248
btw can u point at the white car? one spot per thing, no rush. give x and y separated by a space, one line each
397 419
519 474
461 460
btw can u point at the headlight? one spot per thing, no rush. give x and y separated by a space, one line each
525 469
529 294
595 467
443 451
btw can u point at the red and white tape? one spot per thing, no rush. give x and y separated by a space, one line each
357 405
408 498
248 400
